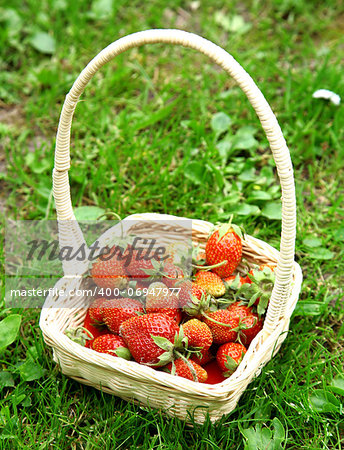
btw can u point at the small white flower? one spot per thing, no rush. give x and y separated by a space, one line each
327 95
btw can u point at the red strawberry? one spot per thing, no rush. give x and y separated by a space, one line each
111 344
193 299
224 245
198 334
226 327
190 370
239 310
141 334
229 356
171 274
108 270
188 289
215 375
119 310
94 331
204 357
250 326
140 261
160 299
258 290
211 283
228 281
95 311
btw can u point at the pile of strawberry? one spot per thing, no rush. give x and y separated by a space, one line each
198 328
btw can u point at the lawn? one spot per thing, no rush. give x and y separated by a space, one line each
145 140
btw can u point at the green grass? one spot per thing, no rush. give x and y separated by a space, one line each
143 141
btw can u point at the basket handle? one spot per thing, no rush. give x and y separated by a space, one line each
61 190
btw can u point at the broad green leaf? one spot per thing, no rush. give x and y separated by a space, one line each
9 328
323 401
218 175
309 308
220 123
279 432
17 399
339 234
6 379
337 385
244 209
233 24
259 438
248 175
244 139
13 21
195 172
43 42
101 9
224 148
320 253
312 242
272 210
88 213
259 195
30 371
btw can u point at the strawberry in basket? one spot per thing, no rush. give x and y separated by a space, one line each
229 356
150 338
187 369
256 288
117 311
160 299
224 246
108 270
112 344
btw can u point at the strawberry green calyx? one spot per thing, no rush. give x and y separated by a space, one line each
226 227
173 350
231 364
206 268
259 290
122 352
79 335
197 307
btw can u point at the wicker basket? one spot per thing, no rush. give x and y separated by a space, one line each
126 379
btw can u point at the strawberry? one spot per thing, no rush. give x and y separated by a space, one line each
141 263
215 375
111 344
223 325
95 311
187 369
188 289
171 274
198 334
239 310
146 335
91 332
258 290
193 299
108 270
204 356
211 283
250 326
160 299
229 356
119 310
229 281
224 245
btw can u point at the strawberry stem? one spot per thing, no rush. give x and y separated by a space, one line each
206 268
219 323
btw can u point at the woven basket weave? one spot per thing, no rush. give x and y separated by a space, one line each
126 379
